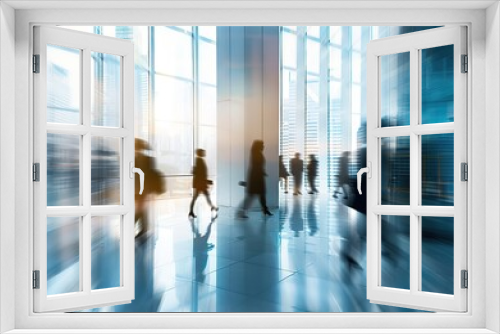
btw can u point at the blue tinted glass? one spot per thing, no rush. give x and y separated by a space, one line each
437 254
106 235
395 170
395 252
63 255
437 169
437 85
395 89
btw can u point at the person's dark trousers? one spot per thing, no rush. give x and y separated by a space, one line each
195 196
312 184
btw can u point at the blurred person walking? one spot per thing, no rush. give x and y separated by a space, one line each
297 168
200 182
256 183
153 184
343 175
312 173
283 173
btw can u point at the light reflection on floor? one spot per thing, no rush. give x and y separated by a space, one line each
308 257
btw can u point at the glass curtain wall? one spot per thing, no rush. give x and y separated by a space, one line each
175 95
323 102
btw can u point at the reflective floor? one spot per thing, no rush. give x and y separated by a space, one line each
308 257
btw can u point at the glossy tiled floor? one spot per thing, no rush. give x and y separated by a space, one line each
308 257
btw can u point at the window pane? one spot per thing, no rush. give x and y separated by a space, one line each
336 35
208 105
173 52
63 170
437 169
437 254
209 32
289 50
335 62
395 169
313 31
106 236
395 89
63 255
395 251
313 56
207 62
173 99
437 85
63 85
106 89
105 171
174 147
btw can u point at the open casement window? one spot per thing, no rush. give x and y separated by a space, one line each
416 147
83 155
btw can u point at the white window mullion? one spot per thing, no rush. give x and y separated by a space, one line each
414 171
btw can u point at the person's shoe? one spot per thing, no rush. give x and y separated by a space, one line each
295 194
300 193
335 196
214 208
241 214
286 192
192 215
310 193
266 212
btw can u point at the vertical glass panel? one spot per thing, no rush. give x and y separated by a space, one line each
173 52
437 169
105 171
289 53
313 56
63 85
437 254
174 147
335 62
208 105
63 255
336 35
106 236
105 88
395 89
63 170
313 31
173 99
207 62
209 32
437 85
395 170
395 251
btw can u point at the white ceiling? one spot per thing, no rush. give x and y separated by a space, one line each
250 4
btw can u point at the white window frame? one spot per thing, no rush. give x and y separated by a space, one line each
476 320
86 43
414 44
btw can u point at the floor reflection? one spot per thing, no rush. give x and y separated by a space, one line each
308 257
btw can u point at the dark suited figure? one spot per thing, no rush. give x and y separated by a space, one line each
297 168
200 182
312 173
283 173
256 183
343 175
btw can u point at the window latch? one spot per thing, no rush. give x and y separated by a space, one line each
368 171
133 170
465 279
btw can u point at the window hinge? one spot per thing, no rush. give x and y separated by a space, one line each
465 279
464 171
36 279
465 64
36 63
36 172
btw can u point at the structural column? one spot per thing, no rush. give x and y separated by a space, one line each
247 108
